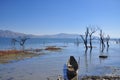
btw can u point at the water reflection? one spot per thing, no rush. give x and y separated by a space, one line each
103 54
90 55
87 64
86 61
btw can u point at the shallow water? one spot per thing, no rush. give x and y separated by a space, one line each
51 64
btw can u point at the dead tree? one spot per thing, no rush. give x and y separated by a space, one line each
102 40
119 41
22 42
92 30
13 42
77 42
107 40
85 39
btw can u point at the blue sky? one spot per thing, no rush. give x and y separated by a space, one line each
60 16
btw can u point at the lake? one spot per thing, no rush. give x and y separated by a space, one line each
50 64
6 43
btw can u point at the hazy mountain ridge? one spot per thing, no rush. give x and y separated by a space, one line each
11 34
60 35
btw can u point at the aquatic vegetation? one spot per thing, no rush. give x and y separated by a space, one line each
14 55
52 48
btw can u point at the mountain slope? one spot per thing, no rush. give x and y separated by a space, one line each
11 34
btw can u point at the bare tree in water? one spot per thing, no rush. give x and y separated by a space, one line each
119 41
102 40
22 42
92 30
107 41
13 41
85 37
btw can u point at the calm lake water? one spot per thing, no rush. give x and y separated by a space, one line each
50 64
6 43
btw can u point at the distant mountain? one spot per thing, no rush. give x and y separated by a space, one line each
60 35
11 34
65 35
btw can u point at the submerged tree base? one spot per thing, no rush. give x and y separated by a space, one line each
103 56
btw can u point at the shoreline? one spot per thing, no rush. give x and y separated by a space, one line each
111 77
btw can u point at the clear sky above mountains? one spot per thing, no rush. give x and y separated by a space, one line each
60 16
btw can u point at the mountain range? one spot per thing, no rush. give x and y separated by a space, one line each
12 34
